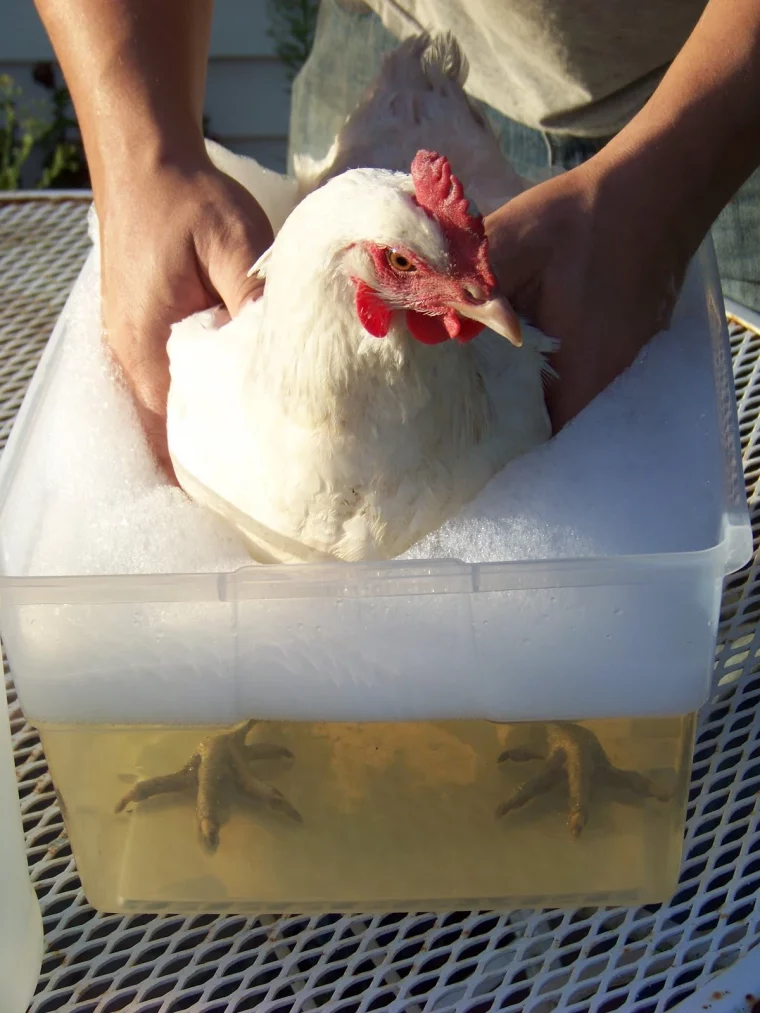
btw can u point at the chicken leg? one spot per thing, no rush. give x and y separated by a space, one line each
220 763
574 754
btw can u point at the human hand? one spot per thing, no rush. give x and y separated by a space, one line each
589 258
174 241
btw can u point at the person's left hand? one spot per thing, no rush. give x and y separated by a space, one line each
174 240
587 258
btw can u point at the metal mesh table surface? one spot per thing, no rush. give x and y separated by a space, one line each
643 960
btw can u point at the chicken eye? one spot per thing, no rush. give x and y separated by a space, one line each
399 262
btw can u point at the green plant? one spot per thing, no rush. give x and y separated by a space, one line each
63 159
292 26
47 143
18 135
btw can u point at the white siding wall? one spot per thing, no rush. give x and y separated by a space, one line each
247 98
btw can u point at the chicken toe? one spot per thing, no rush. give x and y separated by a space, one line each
574 755
219 765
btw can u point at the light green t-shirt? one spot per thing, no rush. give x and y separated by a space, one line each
583 67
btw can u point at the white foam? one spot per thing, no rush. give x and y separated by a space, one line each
637 472
98 502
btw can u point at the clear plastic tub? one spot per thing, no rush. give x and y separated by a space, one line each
394 687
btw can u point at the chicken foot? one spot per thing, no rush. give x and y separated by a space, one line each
220 763
573 754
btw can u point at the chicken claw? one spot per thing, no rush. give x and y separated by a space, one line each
219 762
573 753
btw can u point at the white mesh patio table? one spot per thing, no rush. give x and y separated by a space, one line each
690 951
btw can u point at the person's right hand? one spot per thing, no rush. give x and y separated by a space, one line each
174 241
589 258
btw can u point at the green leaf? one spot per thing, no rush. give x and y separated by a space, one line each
292 24
47 130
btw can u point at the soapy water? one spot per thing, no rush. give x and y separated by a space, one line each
392 816
639 471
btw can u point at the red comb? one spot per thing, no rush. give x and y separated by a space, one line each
438 191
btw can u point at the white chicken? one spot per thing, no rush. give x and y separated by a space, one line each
345 423
349 411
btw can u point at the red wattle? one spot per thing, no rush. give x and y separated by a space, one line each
433 330
428 330
469 329
374 315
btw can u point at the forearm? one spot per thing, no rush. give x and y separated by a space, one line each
698 138
136 70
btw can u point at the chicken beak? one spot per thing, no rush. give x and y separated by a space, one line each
496 314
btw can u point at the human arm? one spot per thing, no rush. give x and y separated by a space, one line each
596 256
176 234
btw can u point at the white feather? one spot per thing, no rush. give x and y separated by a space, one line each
418 101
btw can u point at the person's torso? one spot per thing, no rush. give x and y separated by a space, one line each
572 66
